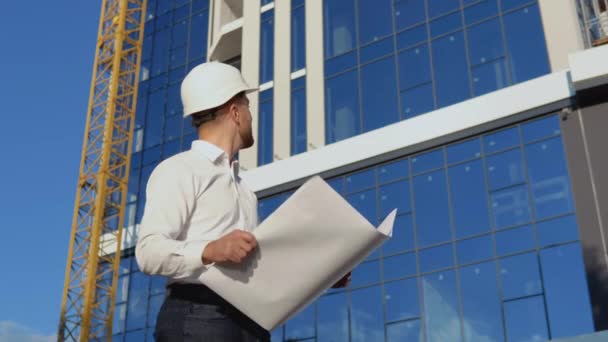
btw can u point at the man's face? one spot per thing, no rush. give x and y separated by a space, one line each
245 130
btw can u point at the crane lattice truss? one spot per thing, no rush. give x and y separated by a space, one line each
94 253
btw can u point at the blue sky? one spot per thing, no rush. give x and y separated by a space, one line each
47 50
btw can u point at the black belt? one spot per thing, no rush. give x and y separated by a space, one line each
201 294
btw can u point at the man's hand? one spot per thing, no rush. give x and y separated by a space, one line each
232 247
344 282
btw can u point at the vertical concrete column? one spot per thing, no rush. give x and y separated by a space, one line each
315 80
250 68
282 79
562 31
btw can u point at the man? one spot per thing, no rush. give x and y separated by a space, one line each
198 212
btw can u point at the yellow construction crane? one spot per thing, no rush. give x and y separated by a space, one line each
95 243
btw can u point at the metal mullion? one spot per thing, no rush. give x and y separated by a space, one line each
533 216
428 42
495 258
453 241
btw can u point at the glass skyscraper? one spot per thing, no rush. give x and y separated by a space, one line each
465 115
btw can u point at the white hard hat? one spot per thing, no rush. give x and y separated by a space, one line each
210 85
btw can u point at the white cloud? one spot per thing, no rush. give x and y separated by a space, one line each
14 332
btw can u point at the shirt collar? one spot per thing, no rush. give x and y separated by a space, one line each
213 153
207 149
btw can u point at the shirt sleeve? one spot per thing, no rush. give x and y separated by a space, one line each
170 199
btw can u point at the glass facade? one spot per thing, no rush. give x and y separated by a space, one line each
265 128
298 115
485 247
390 60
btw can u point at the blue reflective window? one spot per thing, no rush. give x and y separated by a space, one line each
376 50
120 315
441 309
151 155
265 134
171 149
366 273
563 229
338 27
438 7
431 208
485 42
402 299
505 169
267 47
154 119
408 13
417 101
162 21
365 203
399 266
539 129
379 92
302 325
163 6
515 240
403 236
337 184
510 4
427 161
412 36
122 289
135 336
469 199
367 323
332 318
489 77
414 67
179 34
174 103
451 71
361 180
378 25
510 207
520 276
408 331
298 39
268 205
138 301
526 44
173 127
198 36
436 258
446 24
157 284
466 150
155 304
525 320
181 13
340 63
501 140
566 291
160 53
393 171
476 249
549 178
277 334
481 10
395 195
342 107
298 121
481 303
197 5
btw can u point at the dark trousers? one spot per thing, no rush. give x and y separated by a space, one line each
195 313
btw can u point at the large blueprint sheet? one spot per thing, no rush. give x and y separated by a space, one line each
304 247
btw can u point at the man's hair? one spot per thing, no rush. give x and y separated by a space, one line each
205 116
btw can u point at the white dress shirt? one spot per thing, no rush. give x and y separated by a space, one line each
192 198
